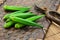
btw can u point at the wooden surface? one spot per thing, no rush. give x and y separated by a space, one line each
27 33
54 31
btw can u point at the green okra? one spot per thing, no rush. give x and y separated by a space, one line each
22 15
34 18
25 22
17 12
8 24
8 20
7 15
16 8
19 25
26 15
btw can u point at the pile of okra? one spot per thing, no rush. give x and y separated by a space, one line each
20 17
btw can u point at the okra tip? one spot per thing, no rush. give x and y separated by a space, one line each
6 16
5 6
17 26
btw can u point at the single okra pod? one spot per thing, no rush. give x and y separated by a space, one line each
16 8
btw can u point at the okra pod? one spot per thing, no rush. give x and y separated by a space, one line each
15 8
